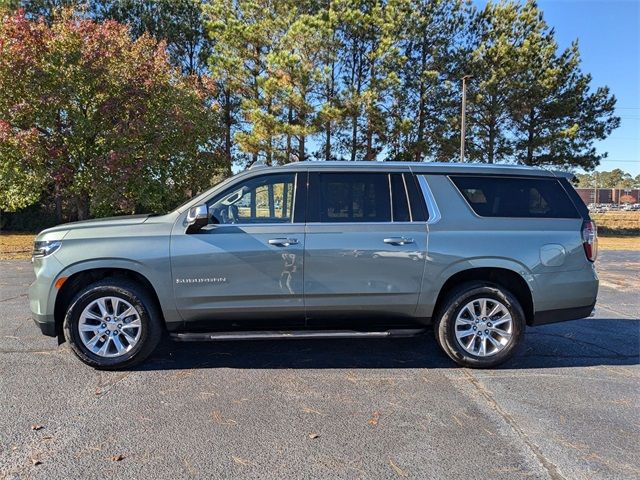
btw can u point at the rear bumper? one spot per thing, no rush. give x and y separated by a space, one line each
562 296
561 315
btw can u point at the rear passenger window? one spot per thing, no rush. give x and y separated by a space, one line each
399 199
349 197
419 211
516 197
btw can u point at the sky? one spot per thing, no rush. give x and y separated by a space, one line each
608 32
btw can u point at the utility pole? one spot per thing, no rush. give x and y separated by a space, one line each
464 112
595 188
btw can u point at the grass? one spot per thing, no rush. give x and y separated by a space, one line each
17 246
619 243
618 223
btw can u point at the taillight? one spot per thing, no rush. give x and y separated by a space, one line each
590 240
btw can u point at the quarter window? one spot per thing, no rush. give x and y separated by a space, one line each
263 199
516 197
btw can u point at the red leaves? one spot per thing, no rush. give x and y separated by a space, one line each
98 114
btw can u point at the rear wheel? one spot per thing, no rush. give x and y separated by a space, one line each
480 325
112 324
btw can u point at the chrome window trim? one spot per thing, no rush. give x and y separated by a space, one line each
315 224
390 195
217 226
432 206
406 195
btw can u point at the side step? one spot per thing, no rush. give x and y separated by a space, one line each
294 334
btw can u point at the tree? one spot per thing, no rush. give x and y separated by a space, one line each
497 38
99 118
555 115
245 32
615 178
527 102
367 30
297 76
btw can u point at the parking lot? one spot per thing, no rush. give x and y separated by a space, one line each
566 407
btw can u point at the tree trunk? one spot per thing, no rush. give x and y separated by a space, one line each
302 120
58 203
369 155
228 121
357 73
327 142
418 153
301 148
530 138
82 206
492 141
270 139
289 147
330 95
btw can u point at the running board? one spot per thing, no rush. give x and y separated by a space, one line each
294 334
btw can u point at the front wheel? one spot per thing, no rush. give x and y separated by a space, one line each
480 325
112 324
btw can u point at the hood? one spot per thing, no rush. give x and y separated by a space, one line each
98 222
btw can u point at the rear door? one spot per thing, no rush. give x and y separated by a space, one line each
364 250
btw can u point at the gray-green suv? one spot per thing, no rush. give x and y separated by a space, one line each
327 250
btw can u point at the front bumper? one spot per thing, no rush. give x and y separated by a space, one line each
42 294
46 324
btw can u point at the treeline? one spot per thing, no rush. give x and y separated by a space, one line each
292 80
615 178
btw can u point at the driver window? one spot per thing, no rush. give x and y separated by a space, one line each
263 199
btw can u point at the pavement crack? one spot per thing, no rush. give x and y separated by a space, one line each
607 307
13 298
35 350
549 467
586 357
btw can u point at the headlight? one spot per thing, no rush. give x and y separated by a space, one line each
45 248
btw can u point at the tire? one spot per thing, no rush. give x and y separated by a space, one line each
140 324
456 319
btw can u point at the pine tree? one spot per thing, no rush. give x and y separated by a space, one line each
423 105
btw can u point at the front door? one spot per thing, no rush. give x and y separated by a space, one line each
365 253
244 270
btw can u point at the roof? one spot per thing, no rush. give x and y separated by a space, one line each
429 167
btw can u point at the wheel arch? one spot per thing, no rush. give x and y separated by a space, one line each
81 278
506 278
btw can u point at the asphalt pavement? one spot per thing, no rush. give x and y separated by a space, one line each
567 406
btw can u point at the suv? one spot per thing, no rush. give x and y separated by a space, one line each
327 250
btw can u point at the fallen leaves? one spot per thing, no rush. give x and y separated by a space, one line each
311 410
400 472
36 427
313 435
35 462
373 421
220 420
117 458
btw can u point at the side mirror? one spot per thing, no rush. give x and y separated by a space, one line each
197 218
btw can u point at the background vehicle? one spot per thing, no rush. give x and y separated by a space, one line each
327 249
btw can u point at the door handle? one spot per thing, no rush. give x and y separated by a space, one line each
283 242
398 240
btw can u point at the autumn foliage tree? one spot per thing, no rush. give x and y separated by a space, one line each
97 121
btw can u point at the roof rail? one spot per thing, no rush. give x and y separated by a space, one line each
258 164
